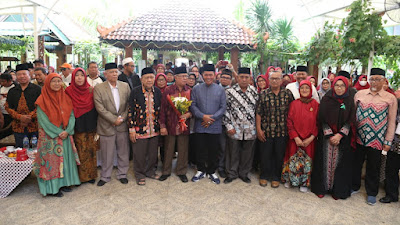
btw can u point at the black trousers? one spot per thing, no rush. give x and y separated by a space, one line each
392 175
207 151
272 153
373 158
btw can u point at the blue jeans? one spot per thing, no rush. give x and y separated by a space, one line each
19 137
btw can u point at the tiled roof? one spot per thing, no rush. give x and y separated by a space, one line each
197 25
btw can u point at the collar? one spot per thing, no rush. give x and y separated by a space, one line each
185 88
380 93
269 90
116 85
144 89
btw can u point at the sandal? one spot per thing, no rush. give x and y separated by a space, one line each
141 182
154 176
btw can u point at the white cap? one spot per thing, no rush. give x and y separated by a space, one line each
126 61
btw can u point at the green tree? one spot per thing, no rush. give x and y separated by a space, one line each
258 19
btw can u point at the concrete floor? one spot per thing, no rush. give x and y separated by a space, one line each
173 202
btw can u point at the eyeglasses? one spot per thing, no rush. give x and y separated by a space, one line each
274 79
375 79
228 78
192 78
340 86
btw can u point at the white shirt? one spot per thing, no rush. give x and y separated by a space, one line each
294 88
4 91
66 80
115 93
94 82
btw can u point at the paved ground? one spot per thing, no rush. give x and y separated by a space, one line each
173 202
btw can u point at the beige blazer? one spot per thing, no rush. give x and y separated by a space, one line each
105 106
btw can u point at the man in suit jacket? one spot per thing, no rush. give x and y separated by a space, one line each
111 101
128 75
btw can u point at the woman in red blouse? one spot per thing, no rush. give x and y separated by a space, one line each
302 129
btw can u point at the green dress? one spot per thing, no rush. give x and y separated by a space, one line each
70 169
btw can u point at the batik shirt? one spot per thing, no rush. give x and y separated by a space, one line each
240 112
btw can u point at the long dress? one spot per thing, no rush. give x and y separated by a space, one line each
332 164
302 123
56 160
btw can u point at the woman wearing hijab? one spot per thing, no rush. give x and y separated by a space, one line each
160 68
303 130
333 156
57 158
362 83
191 80
261 83
312 80
81 94
324 87
161 81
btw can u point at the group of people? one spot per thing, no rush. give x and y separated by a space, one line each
315 137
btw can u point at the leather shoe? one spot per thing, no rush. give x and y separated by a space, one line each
275 184
228 180
263 182
101 183
246 180
164 177
123 180
66 189
183 178
387 199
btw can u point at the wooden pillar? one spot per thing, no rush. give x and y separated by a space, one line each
41 47
23 57
103 60
221 51
129 51
47 60
144 55
61 55
235 58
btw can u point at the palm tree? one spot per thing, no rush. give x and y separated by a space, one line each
283 37
258 19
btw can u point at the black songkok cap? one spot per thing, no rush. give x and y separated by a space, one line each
301 69
21 67
39 61
209 67
344 74
378 71
244 70
29 65
147 70
180 70
201 70
109 66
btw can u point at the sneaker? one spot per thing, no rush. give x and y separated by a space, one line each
354 192
214 178
287 185
198 176
304 189
371 200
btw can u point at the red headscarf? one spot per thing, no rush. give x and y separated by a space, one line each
346 93
55 104
160 65
266 83
358 86
308 98
81 96
158 75
309 79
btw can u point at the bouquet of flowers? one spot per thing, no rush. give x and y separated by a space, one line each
181 106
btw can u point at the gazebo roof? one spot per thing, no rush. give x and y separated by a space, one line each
176 26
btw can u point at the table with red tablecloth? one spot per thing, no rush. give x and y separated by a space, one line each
12 173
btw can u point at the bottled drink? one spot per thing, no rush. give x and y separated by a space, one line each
34 142
25 142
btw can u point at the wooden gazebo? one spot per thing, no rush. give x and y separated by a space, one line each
177 26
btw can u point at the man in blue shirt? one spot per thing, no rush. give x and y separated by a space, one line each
208 107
